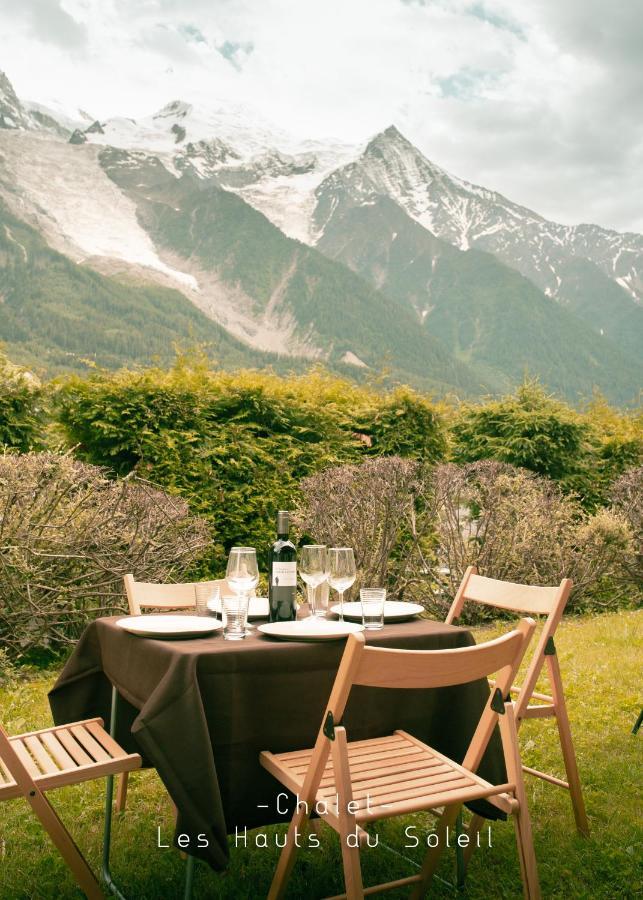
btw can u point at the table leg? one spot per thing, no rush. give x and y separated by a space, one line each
109 798
189 877
460 867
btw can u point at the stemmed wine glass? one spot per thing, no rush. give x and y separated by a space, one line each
242 573
313 568
341 565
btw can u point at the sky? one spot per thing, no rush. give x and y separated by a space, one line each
541 100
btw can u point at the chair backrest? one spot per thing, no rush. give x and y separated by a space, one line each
385 668
144 594
520 598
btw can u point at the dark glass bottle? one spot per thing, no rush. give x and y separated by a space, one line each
282 584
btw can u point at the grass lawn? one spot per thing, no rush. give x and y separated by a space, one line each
601 663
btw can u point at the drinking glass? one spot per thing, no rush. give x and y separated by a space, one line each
372 607
204 592
235 613
313 568
342 572
242 573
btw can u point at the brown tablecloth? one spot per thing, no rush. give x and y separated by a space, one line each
200 711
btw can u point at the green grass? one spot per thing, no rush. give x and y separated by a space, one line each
600 660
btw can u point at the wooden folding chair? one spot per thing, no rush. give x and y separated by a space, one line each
146 595
542 601
37 762
399 774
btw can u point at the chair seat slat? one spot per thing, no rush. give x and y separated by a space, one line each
57 751
98 753
44 760
74 749
25 758
107 742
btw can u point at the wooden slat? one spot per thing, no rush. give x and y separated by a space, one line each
365 752
56 728
374 790
73 748
535 695
388 668
379 888
90 744
388 739
106 741
358 764
523 598
417 763
422 790
44 760
57 751
25 758
89 772
441 798
539 712
10 791
550 778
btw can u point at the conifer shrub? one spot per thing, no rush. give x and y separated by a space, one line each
21 407
583 451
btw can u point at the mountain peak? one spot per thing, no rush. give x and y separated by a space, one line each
12 114
177 109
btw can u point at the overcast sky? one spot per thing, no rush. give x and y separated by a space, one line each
539 99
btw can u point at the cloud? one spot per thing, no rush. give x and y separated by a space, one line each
48 21
541 101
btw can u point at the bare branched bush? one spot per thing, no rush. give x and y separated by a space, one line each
416 530
517 526
377 509
68 534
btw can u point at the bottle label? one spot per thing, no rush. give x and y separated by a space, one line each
284 574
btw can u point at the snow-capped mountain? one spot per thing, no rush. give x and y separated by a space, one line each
467 215
454 284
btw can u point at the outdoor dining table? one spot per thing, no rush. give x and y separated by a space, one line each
201 710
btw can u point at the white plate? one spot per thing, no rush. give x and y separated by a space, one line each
258 608
310 629
167 626
394 610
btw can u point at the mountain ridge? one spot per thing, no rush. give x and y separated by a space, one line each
266 235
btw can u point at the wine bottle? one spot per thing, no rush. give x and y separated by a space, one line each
282 588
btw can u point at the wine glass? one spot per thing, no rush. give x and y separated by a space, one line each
313 568
341 565
242 573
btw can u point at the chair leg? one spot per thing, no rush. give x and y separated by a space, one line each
109 806
526 853
121 792
473 830
288 854
65 845
522 820
347 824
352 870
638 722
432 858
567 746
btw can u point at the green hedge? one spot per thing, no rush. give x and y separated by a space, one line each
21 408
583 451
237 445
